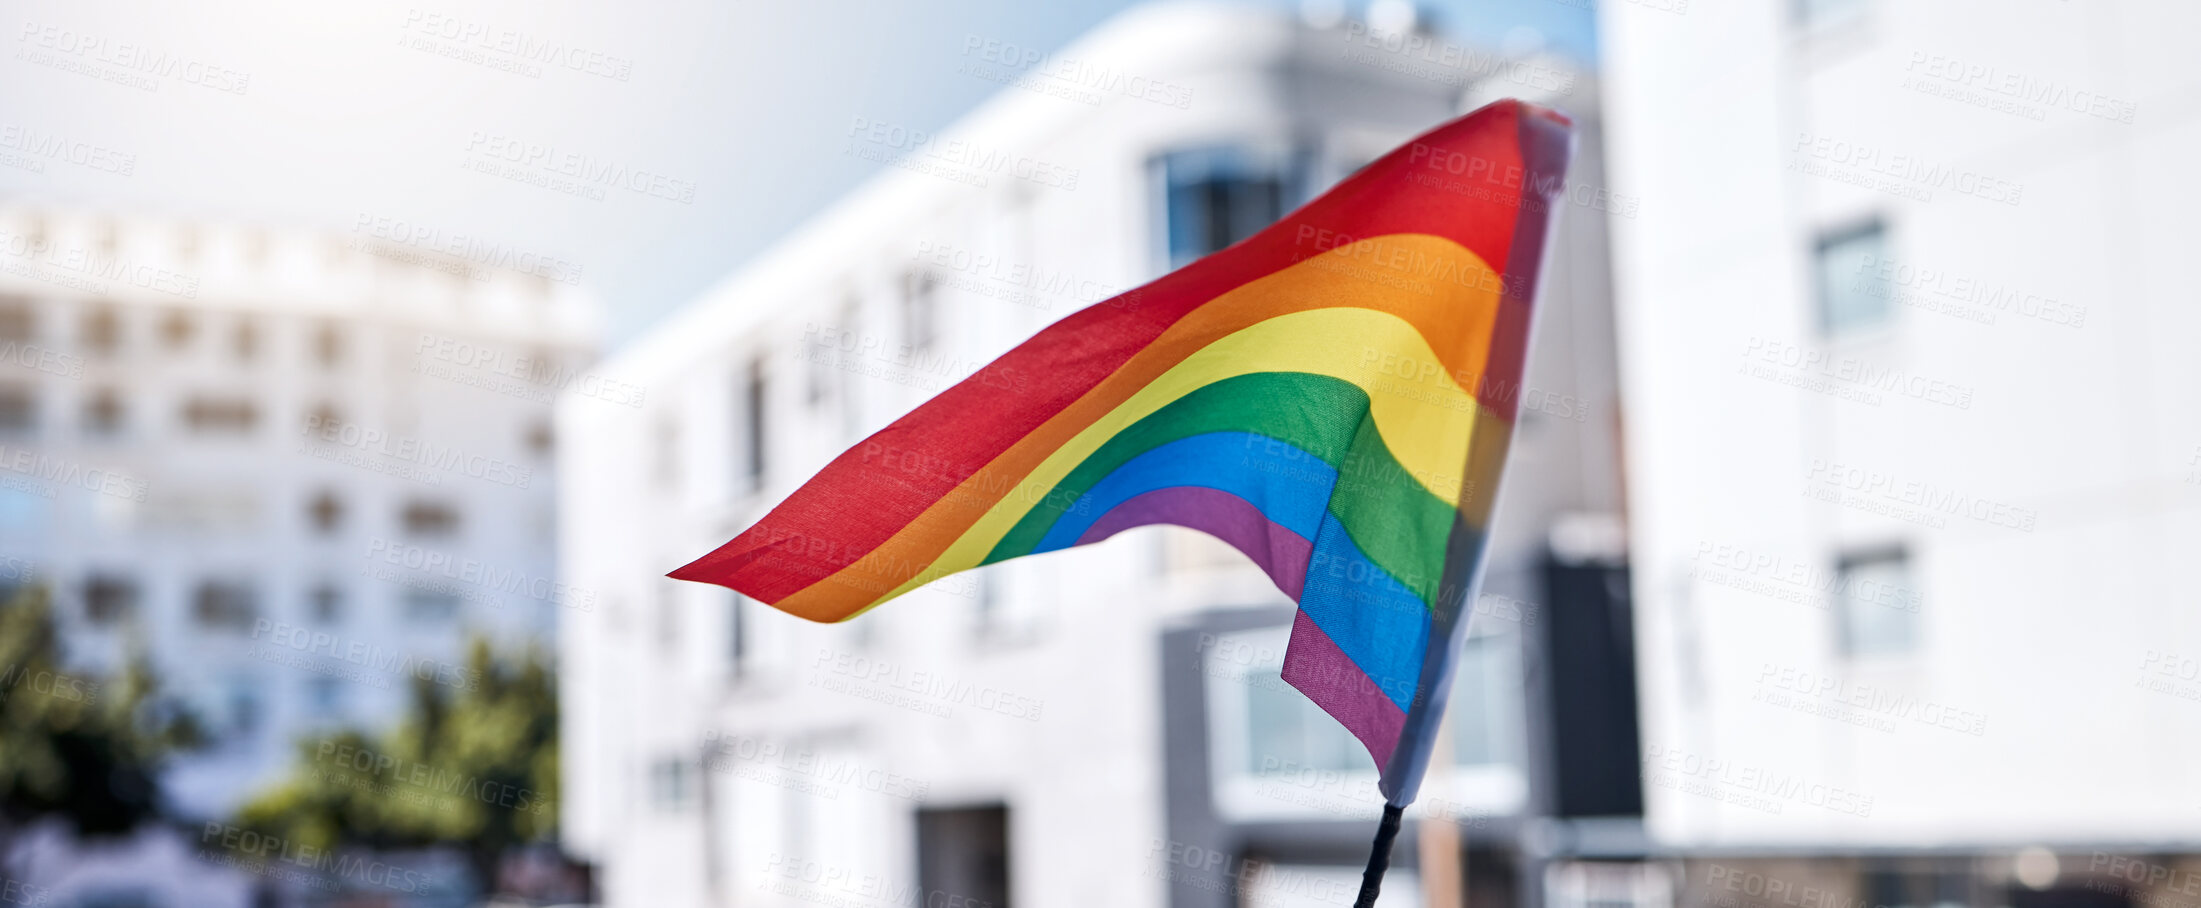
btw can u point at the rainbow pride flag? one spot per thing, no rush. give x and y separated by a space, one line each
1332 396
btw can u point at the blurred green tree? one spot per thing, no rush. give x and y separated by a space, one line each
473 765
81 748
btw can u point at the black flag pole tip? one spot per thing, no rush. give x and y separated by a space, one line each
1379 857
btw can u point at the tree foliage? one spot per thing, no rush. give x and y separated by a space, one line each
83 748
473 764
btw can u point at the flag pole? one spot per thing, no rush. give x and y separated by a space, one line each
1379 858
1547 142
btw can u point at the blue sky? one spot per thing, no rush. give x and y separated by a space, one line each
912 79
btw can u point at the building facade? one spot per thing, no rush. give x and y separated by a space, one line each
1910 447
1104 726
297 471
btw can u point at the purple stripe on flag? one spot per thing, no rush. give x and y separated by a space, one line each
1327 676
1280 552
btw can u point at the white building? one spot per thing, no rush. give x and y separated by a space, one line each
1098 727
298 469
1906 337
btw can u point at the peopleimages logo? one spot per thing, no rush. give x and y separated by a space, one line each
429 564
406 449
48 683
1073 78
962 160
1911 168
314 642
45 468
1920 502
763 760
494 363
1745 785
70 149
432 779
17 892
583 174
92 272
478 42
265 850
126 62
1794 580
42 359
2009 91
887 675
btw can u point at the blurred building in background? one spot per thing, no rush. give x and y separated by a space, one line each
296 470
1105 726
1906 333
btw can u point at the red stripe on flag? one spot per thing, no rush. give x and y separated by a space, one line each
1443 183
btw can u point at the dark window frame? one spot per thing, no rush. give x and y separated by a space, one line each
1822 301
1846 638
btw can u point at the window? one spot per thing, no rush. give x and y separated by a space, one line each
759 644
1609 884
324 417
670 781
540 440
752 412
17 322
325 697
1484 712
1924 885
102 331
18 408
225 415
176 329
241 704
326 603
1284 728
986 603
963 854
109 599
427 606
1876 604
1813 14
1852 292
244 340
103 413
920 324
1263 734
429 518
1216 197
225 605
1276 755
328 346
325 512
737 631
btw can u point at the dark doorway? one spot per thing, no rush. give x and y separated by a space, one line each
963 856
1589 654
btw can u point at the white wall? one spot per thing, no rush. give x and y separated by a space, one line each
2045 620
